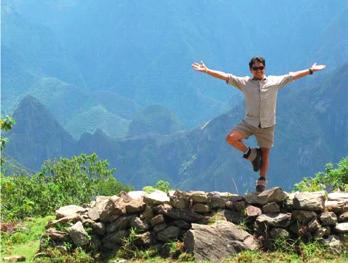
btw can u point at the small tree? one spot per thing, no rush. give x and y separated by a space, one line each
5 125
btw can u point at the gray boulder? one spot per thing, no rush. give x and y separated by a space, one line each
111 208
338 207
334 244
343 217
275 194
156 197
158 219
159 227
182 224
303 216
143 239
138 224
78 234
135 206
201 208
122 222
98 227
276 219
279 233
341 227
198 196
178 199
337 196
252 211
175 213
271 207
114 239
217 241
313 201
328 219
313 225
69 211
216 200
229 215
168 233
323 231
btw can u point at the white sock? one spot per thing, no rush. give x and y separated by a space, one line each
252 154
246 150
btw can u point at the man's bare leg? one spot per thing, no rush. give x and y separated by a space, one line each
252 154
265 161
235 139
261 182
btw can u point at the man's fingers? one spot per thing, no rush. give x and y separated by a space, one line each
197 68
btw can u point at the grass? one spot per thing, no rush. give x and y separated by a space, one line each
280 257
24 240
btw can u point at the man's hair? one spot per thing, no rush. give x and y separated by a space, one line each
258 59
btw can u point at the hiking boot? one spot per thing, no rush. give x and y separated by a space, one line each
254 156
257 161
260 184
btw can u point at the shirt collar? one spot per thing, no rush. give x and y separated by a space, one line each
264 78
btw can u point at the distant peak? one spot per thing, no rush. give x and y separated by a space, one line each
30 100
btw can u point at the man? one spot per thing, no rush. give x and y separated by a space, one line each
260 93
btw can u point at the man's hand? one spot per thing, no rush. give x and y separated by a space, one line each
316 67
305 72
200 67
214 73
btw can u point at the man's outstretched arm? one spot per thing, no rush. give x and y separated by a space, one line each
214 73
305 72
283 80
236 81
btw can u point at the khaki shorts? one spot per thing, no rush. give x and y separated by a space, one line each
264 136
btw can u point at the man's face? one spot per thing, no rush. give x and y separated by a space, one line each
258 70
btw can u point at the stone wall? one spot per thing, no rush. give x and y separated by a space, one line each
211 225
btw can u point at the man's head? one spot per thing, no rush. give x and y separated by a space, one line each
257 67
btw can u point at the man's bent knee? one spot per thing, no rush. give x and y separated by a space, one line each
233 137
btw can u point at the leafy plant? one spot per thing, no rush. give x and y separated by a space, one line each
331 179
5 125
128 248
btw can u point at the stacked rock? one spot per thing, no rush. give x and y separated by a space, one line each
212 225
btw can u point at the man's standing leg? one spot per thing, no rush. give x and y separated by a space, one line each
261 182
265 139
265 161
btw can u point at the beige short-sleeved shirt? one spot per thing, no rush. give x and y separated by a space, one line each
260 97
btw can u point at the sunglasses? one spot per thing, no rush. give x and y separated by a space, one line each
256 68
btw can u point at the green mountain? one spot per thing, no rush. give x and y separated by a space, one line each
154 119
37 136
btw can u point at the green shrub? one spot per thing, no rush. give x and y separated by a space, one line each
331 179
60 182
160 185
